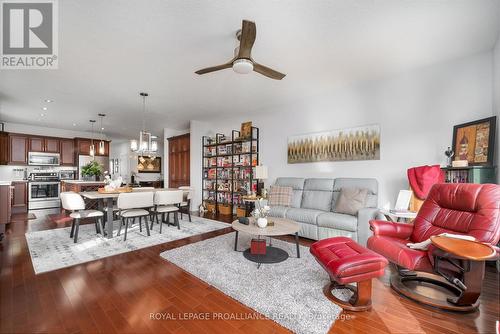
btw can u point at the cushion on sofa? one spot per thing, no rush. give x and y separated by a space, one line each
278 211
307 216
297 185
365 183
318 194
338 221
351 200
280 196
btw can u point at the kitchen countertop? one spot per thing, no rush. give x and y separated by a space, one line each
82 182
5 183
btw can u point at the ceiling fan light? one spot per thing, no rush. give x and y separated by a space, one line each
242 66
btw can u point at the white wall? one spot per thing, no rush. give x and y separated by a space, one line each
416 112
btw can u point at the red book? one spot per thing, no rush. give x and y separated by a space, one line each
258 247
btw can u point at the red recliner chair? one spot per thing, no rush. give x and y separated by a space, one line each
467 209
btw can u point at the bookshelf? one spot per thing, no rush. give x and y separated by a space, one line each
470 174
228 170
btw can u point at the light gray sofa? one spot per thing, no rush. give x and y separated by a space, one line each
313 203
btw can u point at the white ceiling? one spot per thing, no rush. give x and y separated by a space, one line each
111 50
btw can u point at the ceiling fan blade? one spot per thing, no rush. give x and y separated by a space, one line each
268 72
248 32
215 68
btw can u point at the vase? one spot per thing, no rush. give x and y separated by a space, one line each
262 222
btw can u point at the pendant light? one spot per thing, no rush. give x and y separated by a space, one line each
102 148
146 145
92 147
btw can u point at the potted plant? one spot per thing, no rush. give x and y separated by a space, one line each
92 171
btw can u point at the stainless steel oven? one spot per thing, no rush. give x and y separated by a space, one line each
43 190
43 159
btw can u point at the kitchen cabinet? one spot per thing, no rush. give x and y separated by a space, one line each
67 149
19 197
35 144
43 144
52 145
18 149
5 207
83 146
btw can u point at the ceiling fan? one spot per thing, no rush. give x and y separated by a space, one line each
242 62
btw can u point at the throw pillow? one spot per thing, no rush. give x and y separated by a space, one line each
350 200
280 196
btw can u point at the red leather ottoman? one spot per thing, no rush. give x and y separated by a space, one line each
346 261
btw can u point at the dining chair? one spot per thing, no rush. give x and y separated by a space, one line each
186 201
165 202
134 205
73 202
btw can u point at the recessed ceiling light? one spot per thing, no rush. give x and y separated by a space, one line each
42 114
102 129
44 108
49 100
74 124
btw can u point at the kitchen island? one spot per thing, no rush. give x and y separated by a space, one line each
79 186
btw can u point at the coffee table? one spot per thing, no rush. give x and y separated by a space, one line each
282 226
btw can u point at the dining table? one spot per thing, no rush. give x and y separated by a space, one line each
106 200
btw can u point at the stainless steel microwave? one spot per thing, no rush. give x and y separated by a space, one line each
43 159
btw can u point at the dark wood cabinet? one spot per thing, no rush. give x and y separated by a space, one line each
5 205
51 145
4 148
179 161
36 144
67 149
82 146
19 197
43 144
18 149
106 148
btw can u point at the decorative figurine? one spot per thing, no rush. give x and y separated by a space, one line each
449 155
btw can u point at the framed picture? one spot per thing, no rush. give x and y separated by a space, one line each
246 130
475 141
360 143
148 165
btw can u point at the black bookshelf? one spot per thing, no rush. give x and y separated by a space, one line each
228 169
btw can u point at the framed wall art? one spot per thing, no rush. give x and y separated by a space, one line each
148 165
475 141
359 143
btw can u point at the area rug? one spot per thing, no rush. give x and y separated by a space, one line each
290 292
54 249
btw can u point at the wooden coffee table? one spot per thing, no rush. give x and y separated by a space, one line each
282 226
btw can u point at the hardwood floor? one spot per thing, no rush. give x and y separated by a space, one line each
118 294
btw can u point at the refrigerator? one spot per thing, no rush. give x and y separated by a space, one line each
85 159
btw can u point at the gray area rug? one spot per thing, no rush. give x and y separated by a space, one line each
290 292
54 249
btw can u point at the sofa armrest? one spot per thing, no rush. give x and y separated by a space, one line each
364 217
390 229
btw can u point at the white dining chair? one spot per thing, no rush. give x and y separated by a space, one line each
186 201
165 202
73 202
134 205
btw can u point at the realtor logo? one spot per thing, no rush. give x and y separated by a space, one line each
29 34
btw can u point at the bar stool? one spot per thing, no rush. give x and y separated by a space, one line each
73 202
186 200
133 205
165 202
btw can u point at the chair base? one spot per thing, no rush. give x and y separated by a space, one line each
360 300
431 290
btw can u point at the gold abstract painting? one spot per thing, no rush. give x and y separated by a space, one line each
475 141
360 143
148 165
